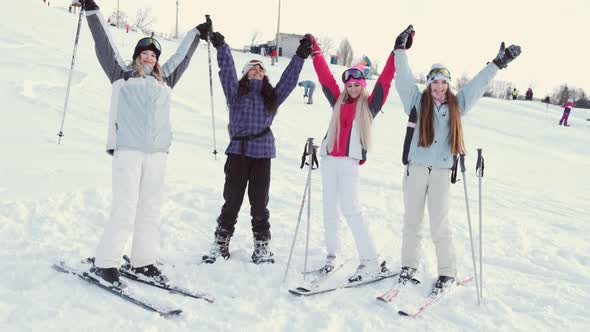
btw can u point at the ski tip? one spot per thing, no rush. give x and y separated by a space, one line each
295 292
379 298
170 313
302 289
403 313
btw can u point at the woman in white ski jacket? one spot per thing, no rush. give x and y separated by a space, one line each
139 139
434 135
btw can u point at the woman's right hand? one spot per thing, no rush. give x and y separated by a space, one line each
405 39
205 28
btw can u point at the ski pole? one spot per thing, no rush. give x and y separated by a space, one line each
207 17
311 149
305 191
462 163
479 173
63 116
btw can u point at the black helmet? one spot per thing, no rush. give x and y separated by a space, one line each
147 43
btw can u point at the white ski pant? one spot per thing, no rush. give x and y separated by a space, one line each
340 180
138 183
426 184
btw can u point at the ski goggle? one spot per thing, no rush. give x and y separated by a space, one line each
352 73
149 41
253 63
443 71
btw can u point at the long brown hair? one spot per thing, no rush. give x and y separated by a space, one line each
426 122
157 72
267 92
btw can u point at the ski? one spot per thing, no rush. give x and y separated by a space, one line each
167 286
314 284
385 273
394 291
432 299
391 294
122 293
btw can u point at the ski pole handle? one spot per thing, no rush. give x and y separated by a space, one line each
462 162
479 165
208 18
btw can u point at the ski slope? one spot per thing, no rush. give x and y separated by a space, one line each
55 198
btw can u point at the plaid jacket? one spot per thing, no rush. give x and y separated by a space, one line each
247 114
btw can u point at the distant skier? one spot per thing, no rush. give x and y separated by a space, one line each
434 134
566 112
514 94
343 150
139 138
529 94
253 104
308 89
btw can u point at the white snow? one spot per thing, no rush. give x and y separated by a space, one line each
55 198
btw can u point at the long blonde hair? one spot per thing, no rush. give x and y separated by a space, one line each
362 117
157 72
426 134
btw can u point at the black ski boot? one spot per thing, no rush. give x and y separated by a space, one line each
407 275
262 253
108 276
219 247
150 273
442 283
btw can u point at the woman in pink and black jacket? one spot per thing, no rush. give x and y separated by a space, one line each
343 149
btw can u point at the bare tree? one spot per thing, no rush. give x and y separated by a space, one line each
144 19
499 89
326 43
121 20
255 37
462 81
421 79
345 53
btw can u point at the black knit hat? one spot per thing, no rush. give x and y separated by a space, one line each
147 43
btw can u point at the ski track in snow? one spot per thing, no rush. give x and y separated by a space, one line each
55 199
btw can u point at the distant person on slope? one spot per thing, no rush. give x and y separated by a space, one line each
566 112
253 104
139 139
514 94
529 94
343 150
434 134
308 89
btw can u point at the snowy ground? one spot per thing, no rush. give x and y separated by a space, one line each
55 198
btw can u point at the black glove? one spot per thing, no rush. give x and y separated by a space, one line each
405 39
505 55
205 28
88 5
304 49
217 39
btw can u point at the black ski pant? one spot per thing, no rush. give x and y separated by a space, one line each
241 172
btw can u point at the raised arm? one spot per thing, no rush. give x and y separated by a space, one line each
289 79
473 90
227 67
327 81
177 63
106 51
405 83
382 86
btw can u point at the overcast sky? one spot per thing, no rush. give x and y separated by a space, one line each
463 34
